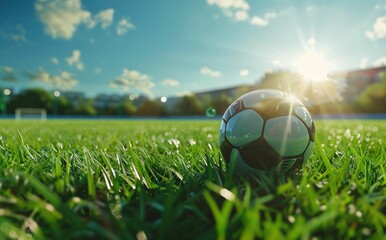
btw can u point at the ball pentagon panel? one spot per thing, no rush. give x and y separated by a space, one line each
244 127
287 135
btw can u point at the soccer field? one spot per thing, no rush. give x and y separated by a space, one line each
167 180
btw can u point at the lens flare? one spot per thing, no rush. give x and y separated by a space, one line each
313 66
210 112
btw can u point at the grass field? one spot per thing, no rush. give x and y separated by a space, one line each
167 180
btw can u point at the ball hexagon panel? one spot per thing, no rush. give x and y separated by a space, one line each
244 127
304 115
252 98
287 135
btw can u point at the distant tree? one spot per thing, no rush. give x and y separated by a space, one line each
333 107
241 91
313 92
189 105
282 80
127 107
31 98
85 108
373 99
222 103
111 109
61 103
151 108
206 101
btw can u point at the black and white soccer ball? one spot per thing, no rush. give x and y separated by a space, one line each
266 130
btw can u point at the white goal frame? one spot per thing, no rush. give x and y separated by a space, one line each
31 113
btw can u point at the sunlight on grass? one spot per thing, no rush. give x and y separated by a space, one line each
165 179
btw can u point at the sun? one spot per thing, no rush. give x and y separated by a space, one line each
313 66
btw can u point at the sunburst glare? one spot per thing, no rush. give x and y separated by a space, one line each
313 66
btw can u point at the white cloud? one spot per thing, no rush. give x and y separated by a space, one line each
263 21
54 60
238 10
7 69
244 72
8 75
379 29
124 26
380 62
276 63
64 80
378 6
270 15
241 16
170 82
184 93
227 4
209 72
75 60
311 41
17 34
370 35
258 21
132 79
105 18
363 63
62 18
97 70
310 8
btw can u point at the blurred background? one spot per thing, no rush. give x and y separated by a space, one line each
124 58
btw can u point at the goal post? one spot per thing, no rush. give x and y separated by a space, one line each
31 113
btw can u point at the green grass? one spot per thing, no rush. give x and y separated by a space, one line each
167 180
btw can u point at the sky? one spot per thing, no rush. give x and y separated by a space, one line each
173 47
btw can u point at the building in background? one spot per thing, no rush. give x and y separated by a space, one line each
231 92
355 82
105 101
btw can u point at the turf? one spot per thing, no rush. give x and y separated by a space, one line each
167 180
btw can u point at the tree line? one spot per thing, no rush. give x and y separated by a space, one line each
320 97
40 98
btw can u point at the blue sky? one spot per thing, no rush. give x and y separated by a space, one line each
173 47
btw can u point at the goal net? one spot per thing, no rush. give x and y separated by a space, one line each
30 113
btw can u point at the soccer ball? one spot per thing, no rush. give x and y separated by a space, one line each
266 130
